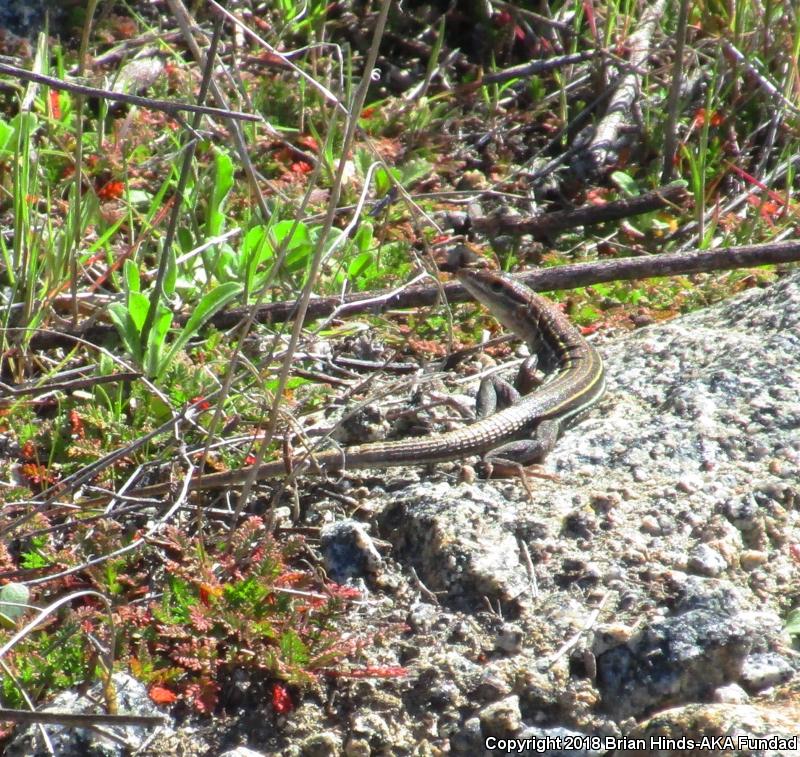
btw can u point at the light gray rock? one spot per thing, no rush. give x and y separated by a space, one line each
132 699
348 550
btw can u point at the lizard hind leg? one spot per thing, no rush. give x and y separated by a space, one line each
523 457
499 468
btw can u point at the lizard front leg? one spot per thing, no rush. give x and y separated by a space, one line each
495 393
515 458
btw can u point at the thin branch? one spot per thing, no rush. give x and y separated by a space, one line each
761 78
560 220
168 106
670 137
548 279
626 92
76 720
67 386
535 67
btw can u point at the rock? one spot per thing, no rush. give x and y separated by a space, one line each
132 699
684 657
348 550
456 543
761 671
730 694
706 561
501 719
717 729
509 638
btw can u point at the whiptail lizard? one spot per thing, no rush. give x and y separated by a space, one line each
517 435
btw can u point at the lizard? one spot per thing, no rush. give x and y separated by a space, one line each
511 431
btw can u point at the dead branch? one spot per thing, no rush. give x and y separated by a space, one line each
168 106
535 67
549 223
599 151
548 279
78 720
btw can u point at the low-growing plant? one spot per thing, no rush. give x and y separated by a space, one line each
156 355
220 609
252 611
45 661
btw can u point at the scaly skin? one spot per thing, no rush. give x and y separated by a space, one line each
537 417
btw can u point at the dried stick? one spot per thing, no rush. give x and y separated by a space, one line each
559 220
535 67
168 106
77 720
547 279
67 386
618 114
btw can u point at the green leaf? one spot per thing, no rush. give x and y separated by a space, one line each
358 265
293 383
210 304
625 184
171 273
223 181
138 305
255 249
364 237
635 295
33 560
223 176
587 314
299 237
213 301
176 601
249 594
226 265
185 239
296 260
293 650
383 180
131 273
414 170
299 246
6 134
20 128
363 160
253 239
154 362
126 329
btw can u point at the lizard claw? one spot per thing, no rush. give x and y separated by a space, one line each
510 469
